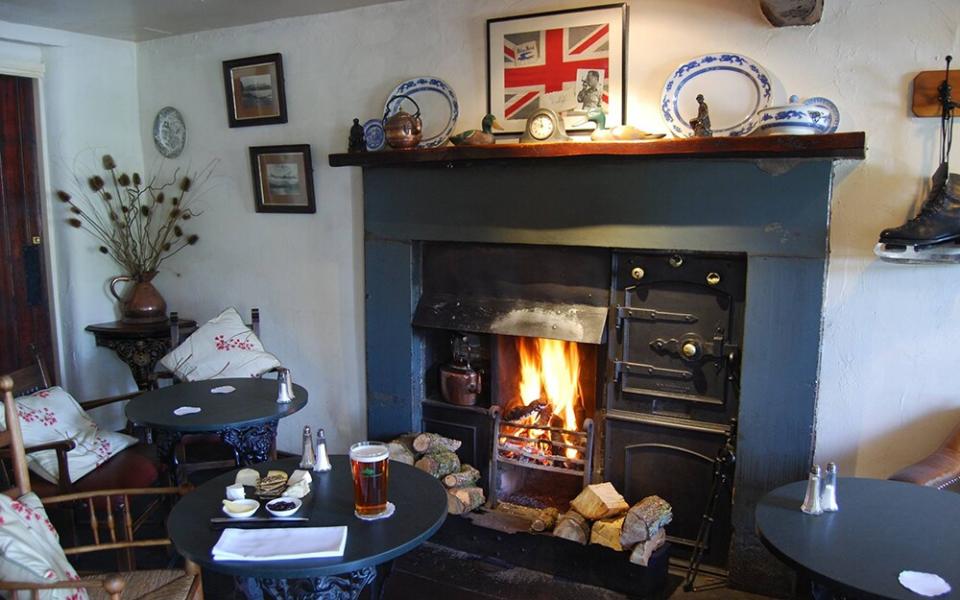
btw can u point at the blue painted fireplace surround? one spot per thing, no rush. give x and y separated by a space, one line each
776 213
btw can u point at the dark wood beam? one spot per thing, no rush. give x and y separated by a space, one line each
791 13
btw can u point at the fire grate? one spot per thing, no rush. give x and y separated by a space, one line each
510 447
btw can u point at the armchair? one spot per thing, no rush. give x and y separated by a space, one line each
941 469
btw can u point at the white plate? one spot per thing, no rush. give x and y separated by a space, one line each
284 513
734 87
253 504
169 132
830 111
439 109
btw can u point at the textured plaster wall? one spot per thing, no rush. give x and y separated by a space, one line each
88 95
887 393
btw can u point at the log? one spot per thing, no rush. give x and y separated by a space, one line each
606 532
401 449
464 499
430 442
518 413
599 501
644 550
439 464
644 519
572 526
467 475
546 520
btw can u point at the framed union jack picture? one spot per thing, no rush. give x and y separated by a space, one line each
571 61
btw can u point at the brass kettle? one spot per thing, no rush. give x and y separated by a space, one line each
402 129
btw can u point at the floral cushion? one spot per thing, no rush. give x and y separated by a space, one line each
52 415
30 549
223 347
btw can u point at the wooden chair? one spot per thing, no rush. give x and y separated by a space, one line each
163 583
133 467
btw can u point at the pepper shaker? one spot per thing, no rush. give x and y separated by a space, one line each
307 457
828 499
811 502
322 460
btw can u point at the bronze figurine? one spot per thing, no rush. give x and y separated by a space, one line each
701 124
356 142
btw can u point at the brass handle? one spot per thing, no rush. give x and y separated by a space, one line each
637 273
690 349
113 285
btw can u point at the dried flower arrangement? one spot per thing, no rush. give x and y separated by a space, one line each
136 222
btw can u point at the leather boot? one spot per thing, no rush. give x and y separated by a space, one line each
939 218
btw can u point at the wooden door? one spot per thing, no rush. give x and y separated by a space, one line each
24 305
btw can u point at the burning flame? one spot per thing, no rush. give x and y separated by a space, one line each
550 374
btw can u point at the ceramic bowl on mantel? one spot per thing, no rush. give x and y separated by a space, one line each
811 117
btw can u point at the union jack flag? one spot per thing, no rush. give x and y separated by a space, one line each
540 62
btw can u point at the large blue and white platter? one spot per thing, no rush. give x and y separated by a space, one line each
734 87
439 109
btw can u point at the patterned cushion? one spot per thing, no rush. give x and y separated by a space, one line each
222 347
52 415
30 549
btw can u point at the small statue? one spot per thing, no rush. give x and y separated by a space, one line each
701 125
356 142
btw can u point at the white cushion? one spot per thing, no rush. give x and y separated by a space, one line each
52 415
30 549
223 347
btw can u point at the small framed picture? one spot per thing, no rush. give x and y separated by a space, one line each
571 61
283 179
254 88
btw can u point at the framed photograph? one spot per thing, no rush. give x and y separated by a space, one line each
283 179
571 61
254 88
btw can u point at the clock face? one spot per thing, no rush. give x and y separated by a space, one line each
541 127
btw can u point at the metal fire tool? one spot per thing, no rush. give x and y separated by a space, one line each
722 478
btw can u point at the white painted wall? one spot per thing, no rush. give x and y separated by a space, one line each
88 96
887 395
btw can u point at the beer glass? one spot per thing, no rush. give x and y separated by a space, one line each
369 463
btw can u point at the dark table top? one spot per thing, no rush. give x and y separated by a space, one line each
121 328
253 402
882 528
421 508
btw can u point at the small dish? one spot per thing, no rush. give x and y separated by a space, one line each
374 136
811 117
252 505
284 513
169 132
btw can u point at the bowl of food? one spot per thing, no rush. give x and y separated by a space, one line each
240 509
284 506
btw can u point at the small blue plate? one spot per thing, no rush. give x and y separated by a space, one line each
373 135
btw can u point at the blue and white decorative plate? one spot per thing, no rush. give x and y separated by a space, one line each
829 113
373 135
734 87
439 109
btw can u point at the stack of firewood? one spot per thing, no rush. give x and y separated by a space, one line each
600 515
436 455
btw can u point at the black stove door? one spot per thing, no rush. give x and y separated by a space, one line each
676 333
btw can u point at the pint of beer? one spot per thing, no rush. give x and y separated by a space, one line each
370 464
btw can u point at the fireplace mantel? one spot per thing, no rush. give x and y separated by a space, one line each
833 146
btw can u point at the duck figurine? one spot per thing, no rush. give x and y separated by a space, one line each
477 137
621 133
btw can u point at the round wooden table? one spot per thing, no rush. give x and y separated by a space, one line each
882 528
246 418
421 509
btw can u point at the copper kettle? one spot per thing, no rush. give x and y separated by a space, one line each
402 129
459 382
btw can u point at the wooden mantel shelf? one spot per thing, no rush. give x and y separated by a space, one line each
832 146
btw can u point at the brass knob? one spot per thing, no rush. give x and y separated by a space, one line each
676 261
637 273
689 349
713 278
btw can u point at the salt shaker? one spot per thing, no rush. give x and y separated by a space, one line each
828 498
811 502
322 460
283 390
307 458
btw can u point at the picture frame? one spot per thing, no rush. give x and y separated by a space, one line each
282 179
254 88
571 61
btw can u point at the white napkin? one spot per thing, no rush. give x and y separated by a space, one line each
186 410
223 389
266 544
925 584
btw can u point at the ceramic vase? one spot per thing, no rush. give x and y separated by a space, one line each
143 303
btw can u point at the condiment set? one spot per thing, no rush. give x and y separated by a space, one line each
821 493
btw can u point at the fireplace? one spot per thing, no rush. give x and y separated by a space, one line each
597 250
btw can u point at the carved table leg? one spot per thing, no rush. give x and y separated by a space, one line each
140 355
332 587
167 450
252 445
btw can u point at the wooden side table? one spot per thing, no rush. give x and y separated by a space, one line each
139 345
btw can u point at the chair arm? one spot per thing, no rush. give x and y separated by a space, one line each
90 404
940 469
61 447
